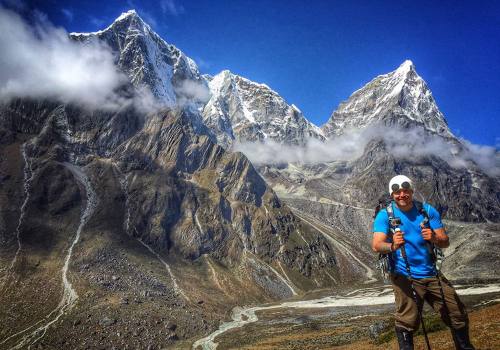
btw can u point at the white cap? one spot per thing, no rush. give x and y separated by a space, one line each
399 180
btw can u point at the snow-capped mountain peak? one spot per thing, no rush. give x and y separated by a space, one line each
405 67
148 60
400 97
238 109
124 15
243 110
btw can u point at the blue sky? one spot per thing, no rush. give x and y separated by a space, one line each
316 53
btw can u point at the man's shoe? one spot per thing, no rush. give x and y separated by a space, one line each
461 338
405 339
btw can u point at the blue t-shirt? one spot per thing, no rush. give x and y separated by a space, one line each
417 251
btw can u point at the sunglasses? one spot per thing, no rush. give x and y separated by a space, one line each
405 185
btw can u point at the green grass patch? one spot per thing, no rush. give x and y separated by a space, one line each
385 337
432 322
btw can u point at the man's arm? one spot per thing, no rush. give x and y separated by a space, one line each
380 245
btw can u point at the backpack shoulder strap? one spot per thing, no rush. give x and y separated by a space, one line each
390 210
421 209
390 213
431 247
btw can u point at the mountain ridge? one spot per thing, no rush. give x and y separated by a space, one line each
220 120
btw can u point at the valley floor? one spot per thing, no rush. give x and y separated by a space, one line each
342 329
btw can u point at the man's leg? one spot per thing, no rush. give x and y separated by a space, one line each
452 311
407 311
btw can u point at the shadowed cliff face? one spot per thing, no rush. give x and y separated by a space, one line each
109 211
195 196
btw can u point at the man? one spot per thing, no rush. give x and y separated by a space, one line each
403 235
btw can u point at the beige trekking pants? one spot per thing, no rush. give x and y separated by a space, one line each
452 313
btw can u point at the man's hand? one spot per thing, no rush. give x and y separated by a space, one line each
439 238
427 234
397 240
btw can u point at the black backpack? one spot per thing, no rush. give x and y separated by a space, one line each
383 203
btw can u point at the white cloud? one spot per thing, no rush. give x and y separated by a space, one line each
486 157
402 143
68 14
144 100
270 152
170 7
41 61
416 142
192 91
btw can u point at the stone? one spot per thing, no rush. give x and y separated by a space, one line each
376 329
170 325
106 321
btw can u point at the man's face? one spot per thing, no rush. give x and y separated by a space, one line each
403 197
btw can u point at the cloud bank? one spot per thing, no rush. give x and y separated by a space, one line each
402 143
191 91
40 61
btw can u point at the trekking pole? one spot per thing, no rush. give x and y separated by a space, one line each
415 296
425 223
434 258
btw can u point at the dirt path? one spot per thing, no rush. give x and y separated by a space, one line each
69 295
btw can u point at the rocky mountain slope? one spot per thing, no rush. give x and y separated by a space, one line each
111 220
111 211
